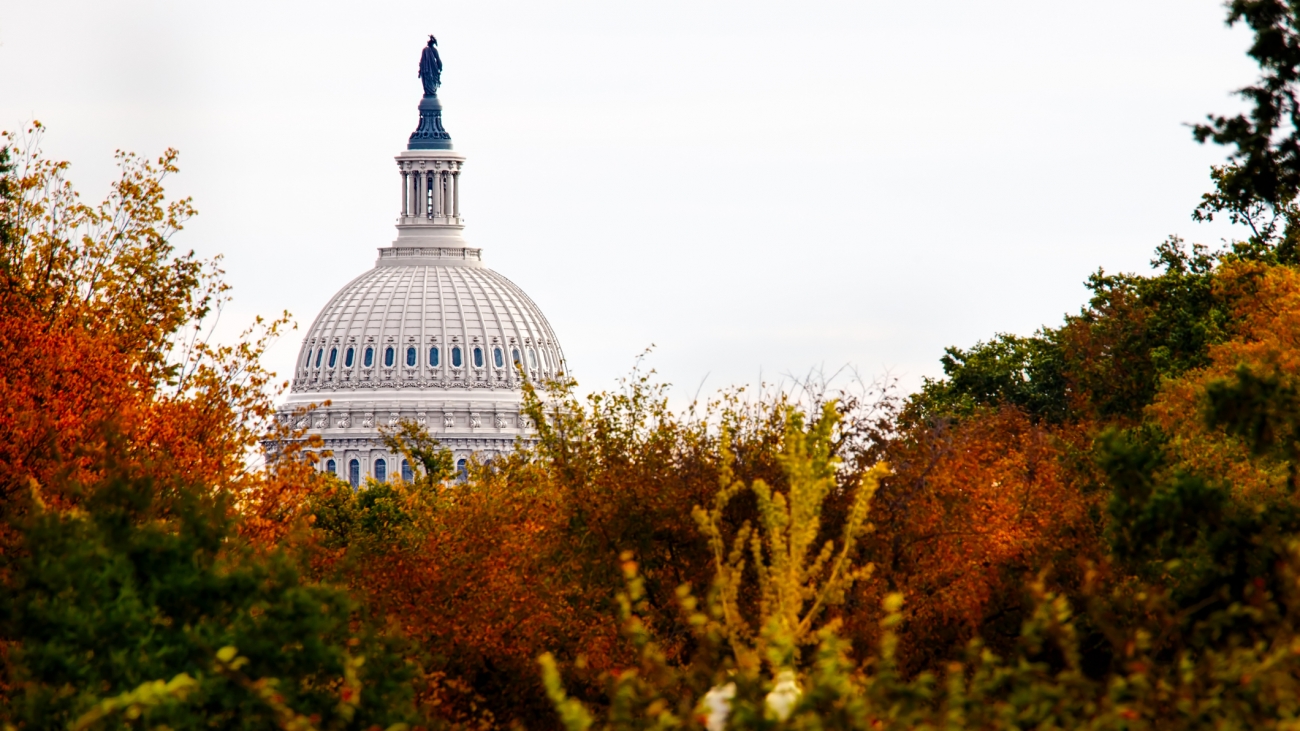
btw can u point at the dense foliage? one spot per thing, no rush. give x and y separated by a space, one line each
1094 526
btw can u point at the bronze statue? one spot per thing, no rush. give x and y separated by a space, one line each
430 67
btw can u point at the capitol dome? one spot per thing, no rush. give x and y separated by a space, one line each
429 334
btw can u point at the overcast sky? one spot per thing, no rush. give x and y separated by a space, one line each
754 187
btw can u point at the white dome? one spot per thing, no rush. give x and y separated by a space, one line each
412 317
429 334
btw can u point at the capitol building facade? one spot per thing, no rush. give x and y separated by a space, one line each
430 334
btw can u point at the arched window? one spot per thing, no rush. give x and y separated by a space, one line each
370 357
462 472
478 357
455 357
354 473
332 467
514 355
532 358
497 358
407 474
411 357
334 357
381 470
319 354
388 357
433 357
349 357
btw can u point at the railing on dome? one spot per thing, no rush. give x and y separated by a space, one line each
431 252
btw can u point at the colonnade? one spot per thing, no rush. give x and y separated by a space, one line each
431 194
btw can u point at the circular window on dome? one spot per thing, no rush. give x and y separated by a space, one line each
478 357
497 358
532 358
320 353
334 357
514 355
433 357
455 357
388 357
350 357
411 357
370 357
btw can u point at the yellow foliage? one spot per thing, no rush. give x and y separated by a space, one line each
1267 339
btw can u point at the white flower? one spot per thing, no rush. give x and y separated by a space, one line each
783 697
718 701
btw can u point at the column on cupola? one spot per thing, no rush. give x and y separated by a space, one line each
415 193
445 192
455 194
436 193
406 193
442 194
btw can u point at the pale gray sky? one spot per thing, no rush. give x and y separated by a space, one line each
753 186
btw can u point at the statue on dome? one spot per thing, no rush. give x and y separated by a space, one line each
431 67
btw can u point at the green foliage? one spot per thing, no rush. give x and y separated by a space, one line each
1158 518
377 514
1108 360
1264 411
1138 330
1008 370
1263 176
431 462
389 513
112 597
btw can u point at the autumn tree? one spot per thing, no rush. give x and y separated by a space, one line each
106 328
137 543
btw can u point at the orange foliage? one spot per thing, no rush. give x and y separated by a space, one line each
478 593
104 352
58 392
974 508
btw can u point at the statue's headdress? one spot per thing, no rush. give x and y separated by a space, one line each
433 41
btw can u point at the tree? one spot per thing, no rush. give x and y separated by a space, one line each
106 325
124 591
796 581
432 462
1106 362
109 380
1258 186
